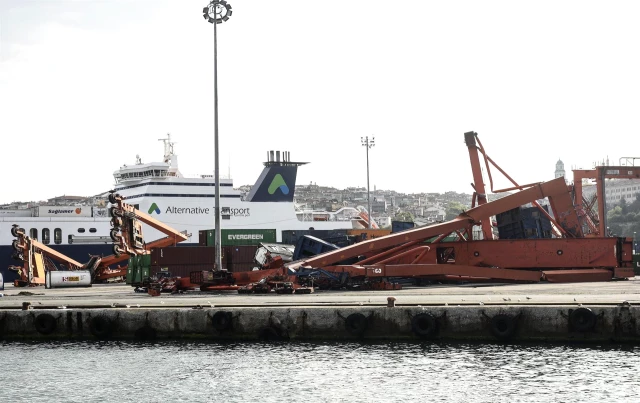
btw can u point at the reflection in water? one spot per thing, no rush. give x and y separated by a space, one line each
314 372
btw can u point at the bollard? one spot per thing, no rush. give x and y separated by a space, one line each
391 302
26 306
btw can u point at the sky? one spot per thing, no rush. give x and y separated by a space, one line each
86 85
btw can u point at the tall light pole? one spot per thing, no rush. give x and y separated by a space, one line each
216 13
368 144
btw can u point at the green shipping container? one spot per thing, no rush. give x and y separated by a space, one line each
130 269
139 268
636 264
240 237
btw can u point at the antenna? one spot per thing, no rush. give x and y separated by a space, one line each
168 147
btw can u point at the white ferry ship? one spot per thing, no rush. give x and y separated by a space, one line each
186 204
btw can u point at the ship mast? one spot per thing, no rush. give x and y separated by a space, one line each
168 148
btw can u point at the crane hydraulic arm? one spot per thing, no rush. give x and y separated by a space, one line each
32 254
126 231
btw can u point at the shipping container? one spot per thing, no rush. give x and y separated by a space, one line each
180 270
67 278
397 226
636 264
202 238
138 269
290 237
231 237
364 234
310 246
63 211
240 254
184 255
274 249
238 267
523 223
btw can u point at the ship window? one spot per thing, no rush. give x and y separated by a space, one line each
70 239
92 230
57 236
45 236
33 233
81 230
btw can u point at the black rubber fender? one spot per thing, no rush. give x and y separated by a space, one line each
424 325
503 326
582 319
45 323
14 230
146 333
114 235
101 327
356 324
221 321
112 198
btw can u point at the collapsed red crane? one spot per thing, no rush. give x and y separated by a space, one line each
569 257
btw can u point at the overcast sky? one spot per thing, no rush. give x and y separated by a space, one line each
87 85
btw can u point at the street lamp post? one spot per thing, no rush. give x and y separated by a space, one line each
216 13
368 144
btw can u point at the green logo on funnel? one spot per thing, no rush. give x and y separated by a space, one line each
278 183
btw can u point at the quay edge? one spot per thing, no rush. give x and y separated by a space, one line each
505 323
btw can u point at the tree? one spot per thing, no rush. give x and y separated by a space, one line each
403 216
623 206
453 210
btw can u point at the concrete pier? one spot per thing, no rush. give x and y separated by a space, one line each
583 312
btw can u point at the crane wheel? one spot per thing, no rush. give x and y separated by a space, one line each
14 230
45 323
424 325
112 198
114 235
117 250
16 245
115 212
100 327
221 320
356 324
18 256
582 319
503 326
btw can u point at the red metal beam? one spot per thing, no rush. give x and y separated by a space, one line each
421 270
478 182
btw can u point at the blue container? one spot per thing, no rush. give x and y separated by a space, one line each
308 246
397 226
291 237
524 223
